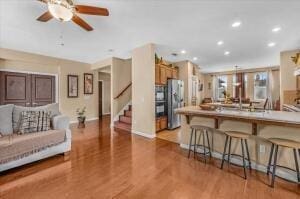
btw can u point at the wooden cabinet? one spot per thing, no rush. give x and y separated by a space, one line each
174 73
163 73
161 123
169 73
157 74
163 76
26 89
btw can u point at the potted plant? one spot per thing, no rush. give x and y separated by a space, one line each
81 117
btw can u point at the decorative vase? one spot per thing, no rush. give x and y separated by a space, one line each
81 122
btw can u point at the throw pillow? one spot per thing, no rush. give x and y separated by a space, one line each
28 122
17 116
43 120
6 125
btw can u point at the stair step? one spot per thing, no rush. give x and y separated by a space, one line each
125 119
128 113
122 126
130 107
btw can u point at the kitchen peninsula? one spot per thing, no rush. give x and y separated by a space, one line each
279 118
259 125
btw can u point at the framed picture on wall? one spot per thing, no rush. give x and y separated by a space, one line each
88 83
72 86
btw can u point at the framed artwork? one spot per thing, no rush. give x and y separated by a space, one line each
72 86
88 83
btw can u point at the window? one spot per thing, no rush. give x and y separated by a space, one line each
222 86
260 86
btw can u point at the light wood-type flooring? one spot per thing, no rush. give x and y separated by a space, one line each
108 164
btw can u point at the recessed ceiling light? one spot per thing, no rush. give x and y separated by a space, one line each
183 51
271 44
236 24
226 53
220 43
276 29
195 58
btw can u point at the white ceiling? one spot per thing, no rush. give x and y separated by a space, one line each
193 25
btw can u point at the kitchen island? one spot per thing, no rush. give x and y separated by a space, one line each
279 118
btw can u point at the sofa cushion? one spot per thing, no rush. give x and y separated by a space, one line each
54 109
6 119
20 146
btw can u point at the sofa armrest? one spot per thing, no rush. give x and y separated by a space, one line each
60 122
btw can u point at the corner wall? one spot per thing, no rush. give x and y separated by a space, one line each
143 90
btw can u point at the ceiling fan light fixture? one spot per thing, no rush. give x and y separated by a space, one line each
61 9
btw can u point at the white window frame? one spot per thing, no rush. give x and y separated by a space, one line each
219 88
255 87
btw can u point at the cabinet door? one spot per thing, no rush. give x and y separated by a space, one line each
15 88
157 124
163 77
157 74
169 72
43 90
174 73
163 123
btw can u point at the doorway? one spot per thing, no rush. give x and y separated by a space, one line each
100 87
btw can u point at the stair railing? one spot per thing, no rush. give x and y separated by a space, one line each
123 91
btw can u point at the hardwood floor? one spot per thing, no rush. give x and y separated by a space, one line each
170 135
108 164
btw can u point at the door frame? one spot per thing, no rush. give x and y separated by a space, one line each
38 73
102 94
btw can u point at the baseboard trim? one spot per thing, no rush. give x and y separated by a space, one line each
143 134
90 119
286 174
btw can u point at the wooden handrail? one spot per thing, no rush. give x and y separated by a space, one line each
121 93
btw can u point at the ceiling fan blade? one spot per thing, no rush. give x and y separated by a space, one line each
45 17
81 23
43 1
90 10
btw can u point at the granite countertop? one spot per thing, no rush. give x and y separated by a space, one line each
272 116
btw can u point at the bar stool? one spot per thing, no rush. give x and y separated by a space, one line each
279 142
203 132
243 137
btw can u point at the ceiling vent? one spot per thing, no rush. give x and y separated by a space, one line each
174 54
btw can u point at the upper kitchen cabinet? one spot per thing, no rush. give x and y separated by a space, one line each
163 73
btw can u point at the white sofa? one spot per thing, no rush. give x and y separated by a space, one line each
59 122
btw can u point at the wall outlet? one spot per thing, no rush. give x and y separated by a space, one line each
262 148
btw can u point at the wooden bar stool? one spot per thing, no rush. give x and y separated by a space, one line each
279 142
243 137
203 132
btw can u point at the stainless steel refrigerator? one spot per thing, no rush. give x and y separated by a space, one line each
175 100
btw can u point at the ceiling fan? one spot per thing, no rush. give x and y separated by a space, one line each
66 10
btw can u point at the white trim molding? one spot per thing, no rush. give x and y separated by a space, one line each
151 136
286 174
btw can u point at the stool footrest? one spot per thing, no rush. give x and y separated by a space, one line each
237 155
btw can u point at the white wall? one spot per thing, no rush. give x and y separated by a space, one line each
143 90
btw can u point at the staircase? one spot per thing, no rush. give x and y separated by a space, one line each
124 122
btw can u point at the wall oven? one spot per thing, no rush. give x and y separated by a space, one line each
160 101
